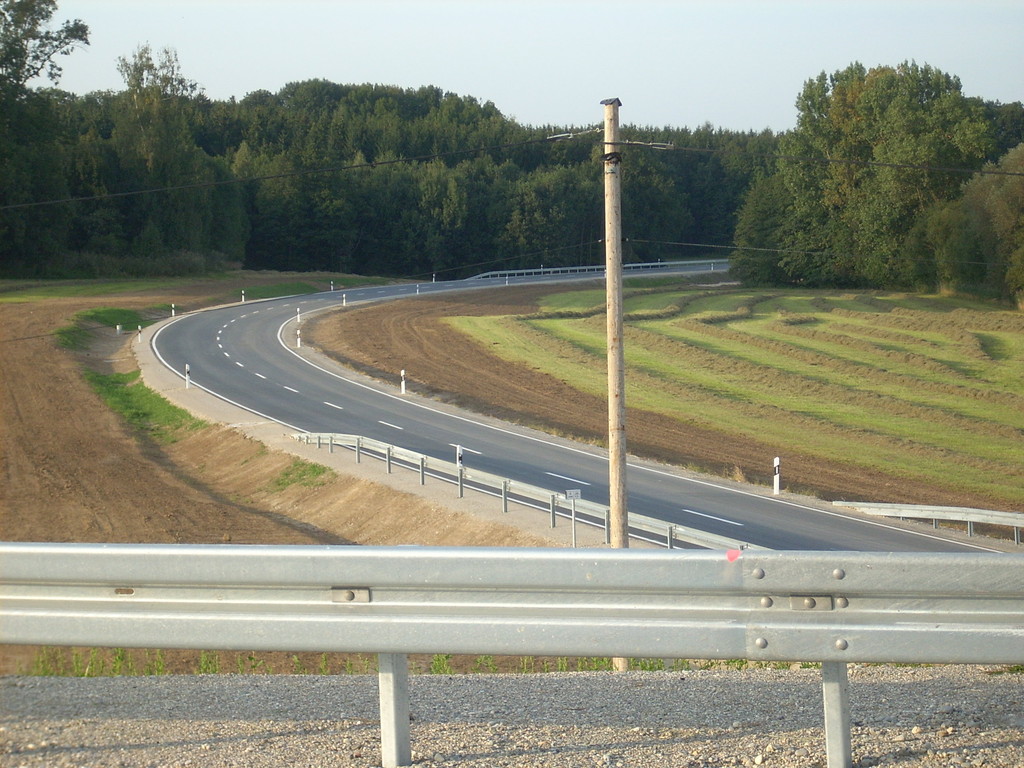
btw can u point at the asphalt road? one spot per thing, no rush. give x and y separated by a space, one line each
243 353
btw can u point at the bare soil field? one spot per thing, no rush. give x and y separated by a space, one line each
381 340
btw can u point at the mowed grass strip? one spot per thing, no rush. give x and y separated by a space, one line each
141 407
922 387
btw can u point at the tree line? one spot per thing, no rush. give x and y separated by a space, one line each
159 179
873 188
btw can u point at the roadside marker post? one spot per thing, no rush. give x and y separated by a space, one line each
778 476
188 376
572 495
403 381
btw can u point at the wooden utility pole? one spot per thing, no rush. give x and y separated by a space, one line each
618 522
617 515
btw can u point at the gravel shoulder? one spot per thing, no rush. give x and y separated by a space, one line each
903 716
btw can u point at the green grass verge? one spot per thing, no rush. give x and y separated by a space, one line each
304 473
19 291
78 335
51 661
279 289
141 407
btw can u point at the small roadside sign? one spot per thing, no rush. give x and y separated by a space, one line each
575 493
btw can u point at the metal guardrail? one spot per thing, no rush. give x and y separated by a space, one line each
556 505
828 607
968 515
599 269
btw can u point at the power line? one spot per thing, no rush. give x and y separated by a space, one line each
506 259
664 146
799 251
824 160
290 174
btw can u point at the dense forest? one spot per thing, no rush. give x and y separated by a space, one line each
891 178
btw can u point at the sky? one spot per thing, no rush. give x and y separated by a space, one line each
736 64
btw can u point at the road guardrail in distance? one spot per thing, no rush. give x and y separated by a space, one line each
651 529
969 515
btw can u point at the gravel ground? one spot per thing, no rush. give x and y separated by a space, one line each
902 716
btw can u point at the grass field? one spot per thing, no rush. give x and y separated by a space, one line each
927 387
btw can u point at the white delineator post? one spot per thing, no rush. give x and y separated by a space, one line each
778 476
403 381
188 376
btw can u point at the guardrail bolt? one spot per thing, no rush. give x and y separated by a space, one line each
839 574
842 645
809 603
758 573
761 643
842 602
767 602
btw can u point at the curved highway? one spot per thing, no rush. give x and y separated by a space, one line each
240 354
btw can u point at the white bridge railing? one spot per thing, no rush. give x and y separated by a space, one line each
827 607
556 505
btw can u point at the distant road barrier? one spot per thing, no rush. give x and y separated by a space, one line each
968 515
828 607
556 505
705 265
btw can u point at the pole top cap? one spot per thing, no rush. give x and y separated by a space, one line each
612 102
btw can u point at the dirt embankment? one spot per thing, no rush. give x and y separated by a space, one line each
381 340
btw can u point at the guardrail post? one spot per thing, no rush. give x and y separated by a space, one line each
835 691
608 527
462 482
318 437
330 445
504 496
554 504
423 470
670 537
393 687
387 458
970 527
1016 535
359 449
